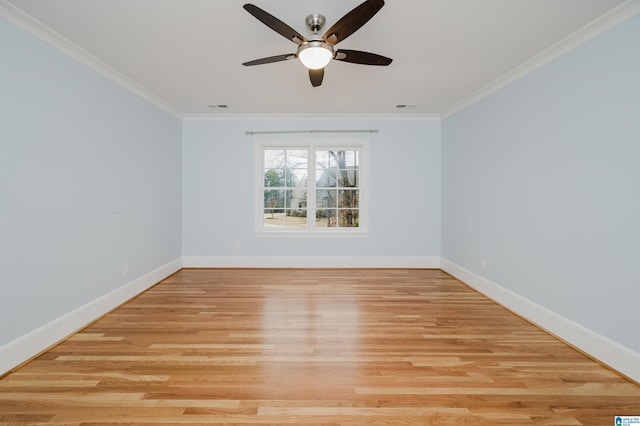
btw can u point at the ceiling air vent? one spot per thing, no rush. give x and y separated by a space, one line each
406 106
218 106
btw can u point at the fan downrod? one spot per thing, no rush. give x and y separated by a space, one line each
315 22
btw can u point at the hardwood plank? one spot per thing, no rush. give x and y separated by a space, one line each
322 347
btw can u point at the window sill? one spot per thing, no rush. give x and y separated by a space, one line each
307 234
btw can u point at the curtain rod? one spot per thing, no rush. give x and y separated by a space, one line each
277 132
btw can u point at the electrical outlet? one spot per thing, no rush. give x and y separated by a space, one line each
236 245
483 265
125 269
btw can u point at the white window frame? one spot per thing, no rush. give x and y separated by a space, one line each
361 231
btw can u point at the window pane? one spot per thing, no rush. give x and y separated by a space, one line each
348 178
296 178
344 158
348 218
326 218
273 218
296 218
322 159
348 198
296 198
274 158
326 198
326 178
296 159
285 168
274 199
273 178
352 159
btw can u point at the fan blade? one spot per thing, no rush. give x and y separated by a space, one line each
271 59
359 57
275 24
316 77
352 21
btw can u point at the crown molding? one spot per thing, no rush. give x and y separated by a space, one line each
28 23
318 116
600 25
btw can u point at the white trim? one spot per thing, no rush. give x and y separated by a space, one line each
25 347
30 24
418 262
613 354
318 233
590 31
309 116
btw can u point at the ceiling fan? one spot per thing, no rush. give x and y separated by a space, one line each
317 51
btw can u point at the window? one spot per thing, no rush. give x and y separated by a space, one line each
311 189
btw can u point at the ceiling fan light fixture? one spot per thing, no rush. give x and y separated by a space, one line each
315 54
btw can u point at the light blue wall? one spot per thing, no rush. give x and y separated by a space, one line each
404 190
90 179
542 180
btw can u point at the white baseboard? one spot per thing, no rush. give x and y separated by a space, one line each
25 347
425 262
616 356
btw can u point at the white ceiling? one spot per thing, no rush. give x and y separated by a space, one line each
189 53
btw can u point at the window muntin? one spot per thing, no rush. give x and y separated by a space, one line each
311 189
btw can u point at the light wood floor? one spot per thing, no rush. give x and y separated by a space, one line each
323 347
